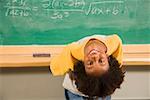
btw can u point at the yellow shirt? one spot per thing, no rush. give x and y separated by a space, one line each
60 64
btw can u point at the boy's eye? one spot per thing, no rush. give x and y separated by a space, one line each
100 61
90 63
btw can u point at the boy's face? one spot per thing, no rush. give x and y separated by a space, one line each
95 58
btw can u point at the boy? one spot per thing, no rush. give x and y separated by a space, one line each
92 66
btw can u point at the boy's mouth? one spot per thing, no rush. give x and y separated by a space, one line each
93 51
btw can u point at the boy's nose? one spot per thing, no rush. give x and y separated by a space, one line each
95 56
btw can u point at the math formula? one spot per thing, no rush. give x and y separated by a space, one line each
61 9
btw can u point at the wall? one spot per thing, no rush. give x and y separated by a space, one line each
38 84
136 84
30 84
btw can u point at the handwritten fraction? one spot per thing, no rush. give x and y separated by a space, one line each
59 9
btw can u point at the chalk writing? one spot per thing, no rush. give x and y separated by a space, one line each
101 8
59 15
59 9
17 8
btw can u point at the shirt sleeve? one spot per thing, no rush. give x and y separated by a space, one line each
114 46
61 63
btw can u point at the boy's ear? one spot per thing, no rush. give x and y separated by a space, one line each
108 56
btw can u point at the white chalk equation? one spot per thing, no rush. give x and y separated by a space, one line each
17 8
59 9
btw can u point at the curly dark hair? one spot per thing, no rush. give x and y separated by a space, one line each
101 86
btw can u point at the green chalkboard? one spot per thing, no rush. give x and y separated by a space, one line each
44 22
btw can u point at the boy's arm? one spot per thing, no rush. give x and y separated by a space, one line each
60 64
114 46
